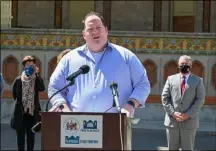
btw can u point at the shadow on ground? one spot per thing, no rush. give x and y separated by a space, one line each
143 139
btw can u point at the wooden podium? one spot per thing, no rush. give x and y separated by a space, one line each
51 126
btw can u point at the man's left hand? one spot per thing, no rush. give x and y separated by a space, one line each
185 116
129 110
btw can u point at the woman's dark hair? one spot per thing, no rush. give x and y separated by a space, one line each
60 56
28 58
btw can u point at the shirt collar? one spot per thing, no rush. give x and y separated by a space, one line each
186 76
108 47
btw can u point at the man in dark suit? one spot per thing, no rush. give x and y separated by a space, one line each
182 98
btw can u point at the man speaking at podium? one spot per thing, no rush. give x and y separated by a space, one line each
108 63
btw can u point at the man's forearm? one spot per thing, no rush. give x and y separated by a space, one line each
169 109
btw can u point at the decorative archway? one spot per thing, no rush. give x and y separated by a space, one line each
198 68
170 68
10 69
151 69
213 75
38 64
51 66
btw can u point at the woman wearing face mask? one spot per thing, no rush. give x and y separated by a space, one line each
26 90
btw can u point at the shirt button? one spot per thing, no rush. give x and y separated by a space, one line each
94 97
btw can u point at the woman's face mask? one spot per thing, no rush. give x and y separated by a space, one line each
29 70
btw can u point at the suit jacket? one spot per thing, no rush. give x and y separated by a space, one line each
190 102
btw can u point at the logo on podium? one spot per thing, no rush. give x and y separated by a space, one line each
90 126
71 126
72 140
81 131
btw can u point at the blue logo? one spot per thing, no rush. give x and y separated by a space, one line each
72 140
89 126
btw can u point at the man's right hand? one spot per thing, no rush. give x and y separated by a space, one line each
177 116
66 108
58 109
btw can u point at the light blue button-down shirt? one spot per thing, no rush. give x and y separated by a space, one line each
91 92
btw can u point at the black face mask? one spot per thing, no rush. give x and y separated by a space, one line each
184 69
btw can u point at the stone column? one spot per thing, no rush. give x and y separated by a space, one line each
107 12
213 17
206 15
165 17
99 6
198 16
157 15
6 14
65 14
58 14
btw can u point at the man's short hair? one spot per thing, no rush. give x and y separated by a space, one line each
94 14
188 58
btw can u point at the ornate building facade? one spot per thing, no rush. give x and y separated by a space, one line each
158 32
154 15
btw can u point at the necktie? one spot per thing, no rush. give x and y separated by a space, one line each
183 84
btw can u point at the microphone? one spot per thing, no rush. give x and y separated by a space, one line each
82 70
113 87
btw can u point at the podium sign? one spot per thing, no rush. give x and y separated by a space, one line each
81 131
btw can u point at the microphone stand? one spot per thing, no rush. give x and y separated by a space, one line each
69 84
113 87
37 126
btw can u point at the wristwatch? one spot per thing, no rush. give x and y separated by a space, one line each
131 103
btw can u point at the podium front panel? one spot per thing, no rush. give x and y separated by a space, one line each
51 131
